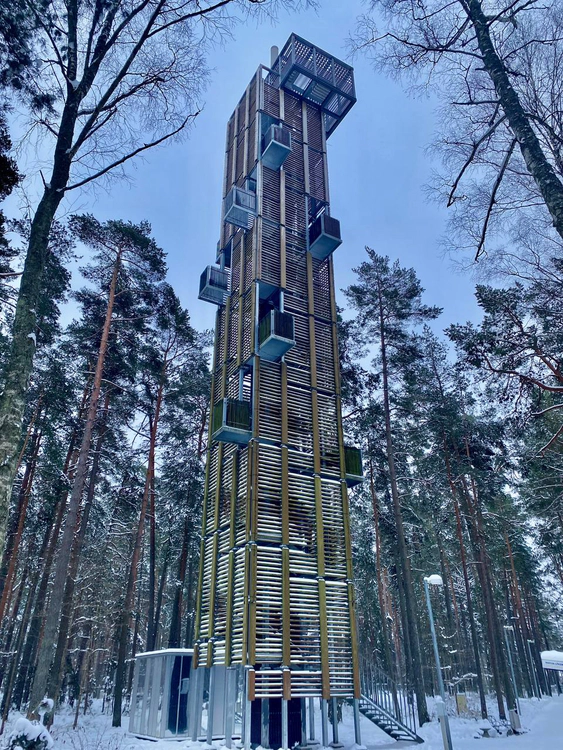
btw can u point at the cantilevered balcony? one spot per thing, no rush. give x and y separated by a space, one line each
231 421
276 146
276 335
353 461
240 207
312 73
214 285
324 236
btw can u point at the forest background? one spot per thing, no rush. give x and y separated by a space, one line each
460 433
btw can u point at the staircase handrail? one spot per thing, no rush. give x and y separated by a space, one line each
383 691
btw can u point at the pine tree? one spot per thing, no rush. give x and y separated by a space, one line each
133 262
388 301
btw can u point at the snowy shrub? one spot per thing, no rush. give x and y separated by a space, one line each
89 738
29 735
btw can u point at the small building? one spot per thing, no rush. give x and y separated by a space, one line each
159 701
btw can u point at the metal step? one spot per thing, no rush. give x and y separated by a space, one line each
386 721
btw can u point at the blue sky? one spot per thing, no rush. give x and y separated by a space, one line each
377 165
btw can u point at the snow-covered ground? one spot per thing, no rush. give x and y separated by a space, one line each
543 721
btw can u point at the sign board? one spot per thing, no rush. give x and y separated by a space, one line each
552 660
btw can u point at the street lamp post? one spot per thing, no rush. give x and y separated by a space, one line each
436 580
510 662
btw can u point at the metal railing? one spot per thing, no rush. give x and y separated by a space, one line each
394 698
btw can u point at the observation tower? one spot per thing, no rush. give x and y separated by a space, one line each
275 623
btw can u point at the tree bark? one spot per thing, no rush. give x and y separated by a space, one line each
483 574
408 588
6 646
13 521
123 624
382 609
151 617
19 364
468 596
56 673
13 672
25 492
63 558
543 174
176 617
49 546
160 597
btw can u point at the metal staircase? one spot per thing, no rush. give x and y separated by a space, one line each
388 705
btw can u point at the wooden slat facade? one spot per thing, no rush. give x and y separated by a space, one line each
275 583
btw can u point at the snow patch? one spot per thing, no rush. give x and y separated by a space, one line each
33 337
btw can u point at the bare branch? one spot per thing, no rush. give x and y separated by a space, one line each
545 411
551 441
492 201
452 198
132 154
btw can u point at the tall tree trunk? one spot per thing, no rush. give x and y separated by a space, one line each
545 177
482 567
14 519
123 625
408 588
8 689
56 673
468 596
151 625
174 637
83 667
25 672
382 609
19 364
406 635
536 635
160 596
63 559
25 492
190 601
522 623
454 654
9 634
27 661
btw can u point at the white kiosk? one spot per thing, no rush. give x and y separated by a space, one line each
552 660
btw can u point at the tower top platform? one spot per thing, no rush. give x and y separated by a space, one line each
310 72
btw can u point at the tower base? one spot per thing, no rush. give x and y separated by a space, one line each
266 722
